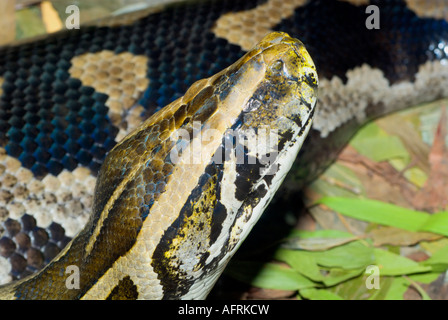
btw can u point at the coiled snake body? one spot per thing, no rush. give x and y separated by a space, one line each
162 229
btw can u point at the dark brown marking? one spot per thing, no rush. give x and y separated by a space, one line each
180 114
207 110
200 99
124 290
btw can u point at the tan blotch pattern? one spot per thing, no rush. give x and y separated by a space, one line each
121 76
246 28
437 9
66 199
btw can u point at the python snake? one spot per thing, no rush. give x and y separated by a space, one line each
66 100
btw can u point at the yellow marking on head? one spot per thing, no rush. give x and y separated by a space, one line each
194 235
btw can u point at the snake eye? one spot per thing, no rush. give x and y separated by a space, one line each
277 67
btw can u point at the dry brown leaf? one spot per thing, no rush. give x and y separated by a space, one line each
410 137
380 179
399 237
433 196
418 256
316 244
328 219
7 22
437 290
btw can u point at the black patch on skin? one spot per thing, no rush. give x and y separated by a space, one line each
268 178
310 80
249 172
286 137
219 215
247 175
251 200
298 120
124 290
305 103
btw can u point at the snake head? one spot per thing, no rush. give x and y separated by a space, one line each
258 112
286 96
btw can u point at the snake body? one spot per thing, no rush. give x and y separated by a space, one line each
59 114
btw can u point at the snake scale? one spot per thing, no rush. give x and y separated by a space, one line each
67 100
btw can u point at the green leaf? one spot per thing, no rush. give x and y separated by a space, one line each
388 214
337 275
376 144
332 266
438 261
29 23
433 246
300 261
425 277
268 275
397 289
391 264
420 290
357 289
437 223
377 212
352 255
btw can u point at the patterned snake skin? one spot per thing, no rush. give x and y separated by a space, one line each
66 100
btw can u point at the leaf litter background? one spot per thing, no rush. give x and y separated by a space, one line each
382 203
